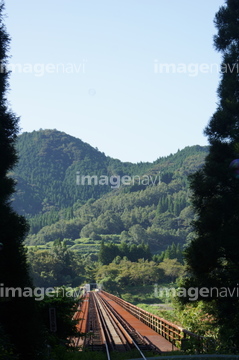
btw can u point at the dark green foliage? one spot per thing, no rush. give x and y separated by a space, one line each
172 252
17 315
64 306
132 252
155 214
19 318
57 266
48 167
6 348
120 273
213 255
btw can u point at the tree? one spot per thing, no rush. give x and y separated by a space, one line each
18 316
213 254
137 233
65 306
172 268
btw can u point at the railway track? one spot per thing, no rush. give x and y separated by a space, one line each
106 330
112 324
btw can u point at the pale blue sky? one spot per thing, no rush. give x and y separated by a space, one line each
92 69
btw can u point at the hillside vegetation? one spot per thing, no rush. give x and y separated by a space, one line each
133 203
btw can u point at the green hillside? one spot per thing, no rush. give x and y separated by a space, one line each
135 203
46 172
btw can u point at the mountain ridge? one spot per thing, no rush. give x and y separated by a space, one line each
56 206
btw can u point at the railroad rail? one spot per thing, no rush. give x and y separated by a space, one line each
108 323
106 330
176 335
134 338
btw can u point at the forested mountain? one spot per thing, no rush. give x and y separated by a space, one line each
143 202
46 172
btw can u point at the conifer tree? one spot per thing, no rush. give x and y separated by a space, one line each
18 319
213 255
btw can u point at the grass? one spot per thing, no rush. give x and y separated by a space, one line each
145 298
143 294
165 313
